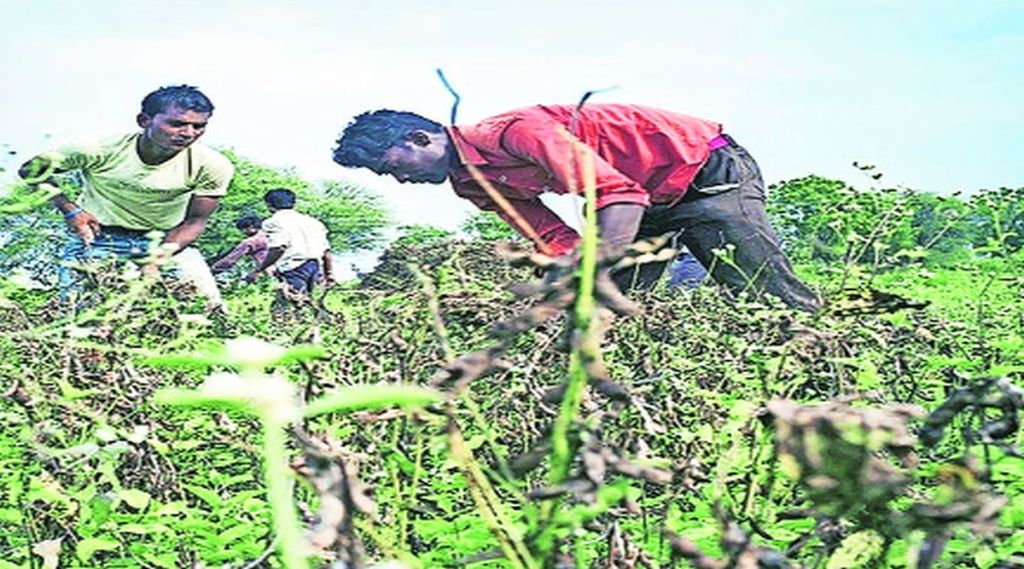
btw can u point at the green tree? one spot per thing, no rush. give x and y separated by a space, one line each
996 220
828 220
420 236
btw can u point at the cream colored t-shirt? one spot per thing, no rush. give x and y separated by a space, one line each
120 189
302 237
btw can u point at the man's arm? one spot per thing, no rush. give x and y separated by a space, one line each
199 210
556 235
229 260
621 200
273 255
38 172
328 261
619 224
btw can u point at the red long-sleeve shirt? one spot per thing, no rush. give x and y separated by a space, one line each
641 155
254 246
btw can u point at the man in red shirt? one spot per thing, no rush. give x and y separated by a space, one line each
657 172
254 245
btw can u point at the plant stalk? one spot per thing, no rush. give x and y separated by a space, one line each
291 545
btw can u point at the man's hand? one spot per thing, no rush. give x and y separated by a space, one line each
159 257
151 271
85 225
330 280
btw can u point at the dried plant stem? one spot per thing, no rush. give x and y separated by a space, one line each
488 504
291 545
440 331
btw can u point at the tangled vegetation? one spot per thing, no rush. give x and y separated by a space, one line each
453 410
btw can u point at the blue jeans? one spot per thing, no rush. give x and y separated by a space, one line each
110 244
113 245
686 271
301 279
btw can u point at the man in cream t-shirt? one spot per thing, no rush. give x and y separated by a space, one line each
296 245
158 179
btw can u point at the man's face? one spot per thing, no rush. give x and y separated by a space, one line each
421 158
250 230
174 128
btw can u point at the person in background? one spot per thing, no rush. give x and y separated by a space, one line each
254 245
297 245
158 179
656 172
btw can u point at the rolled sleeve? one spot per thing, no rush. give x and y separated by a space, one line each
233 257
553 232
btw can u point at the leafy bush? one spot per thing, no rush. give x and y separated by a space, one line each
487 226
826 220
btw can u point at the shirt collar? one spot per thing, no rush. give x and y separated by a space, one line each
467 153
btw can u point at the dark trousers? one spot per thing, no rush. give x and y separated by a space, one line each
300 280
725 205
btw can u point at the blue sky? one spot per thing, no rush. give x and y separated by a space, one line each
930 91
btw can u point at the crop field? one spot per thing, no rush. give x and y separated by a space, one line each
452 409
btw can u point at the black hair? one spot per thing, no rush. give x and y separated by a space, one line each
280 198
248 220
365 140
185 97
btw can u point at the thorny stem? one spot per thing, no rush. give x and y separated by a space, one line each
492 444
583 345
585 328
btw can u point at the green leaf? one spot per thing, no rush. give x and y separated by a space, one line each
242 353
49 491
90 545
372 397
134 498
985 558
172 508
164 560
143 529
69 392
867 375
1004 369
233 533
859 550
206 495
